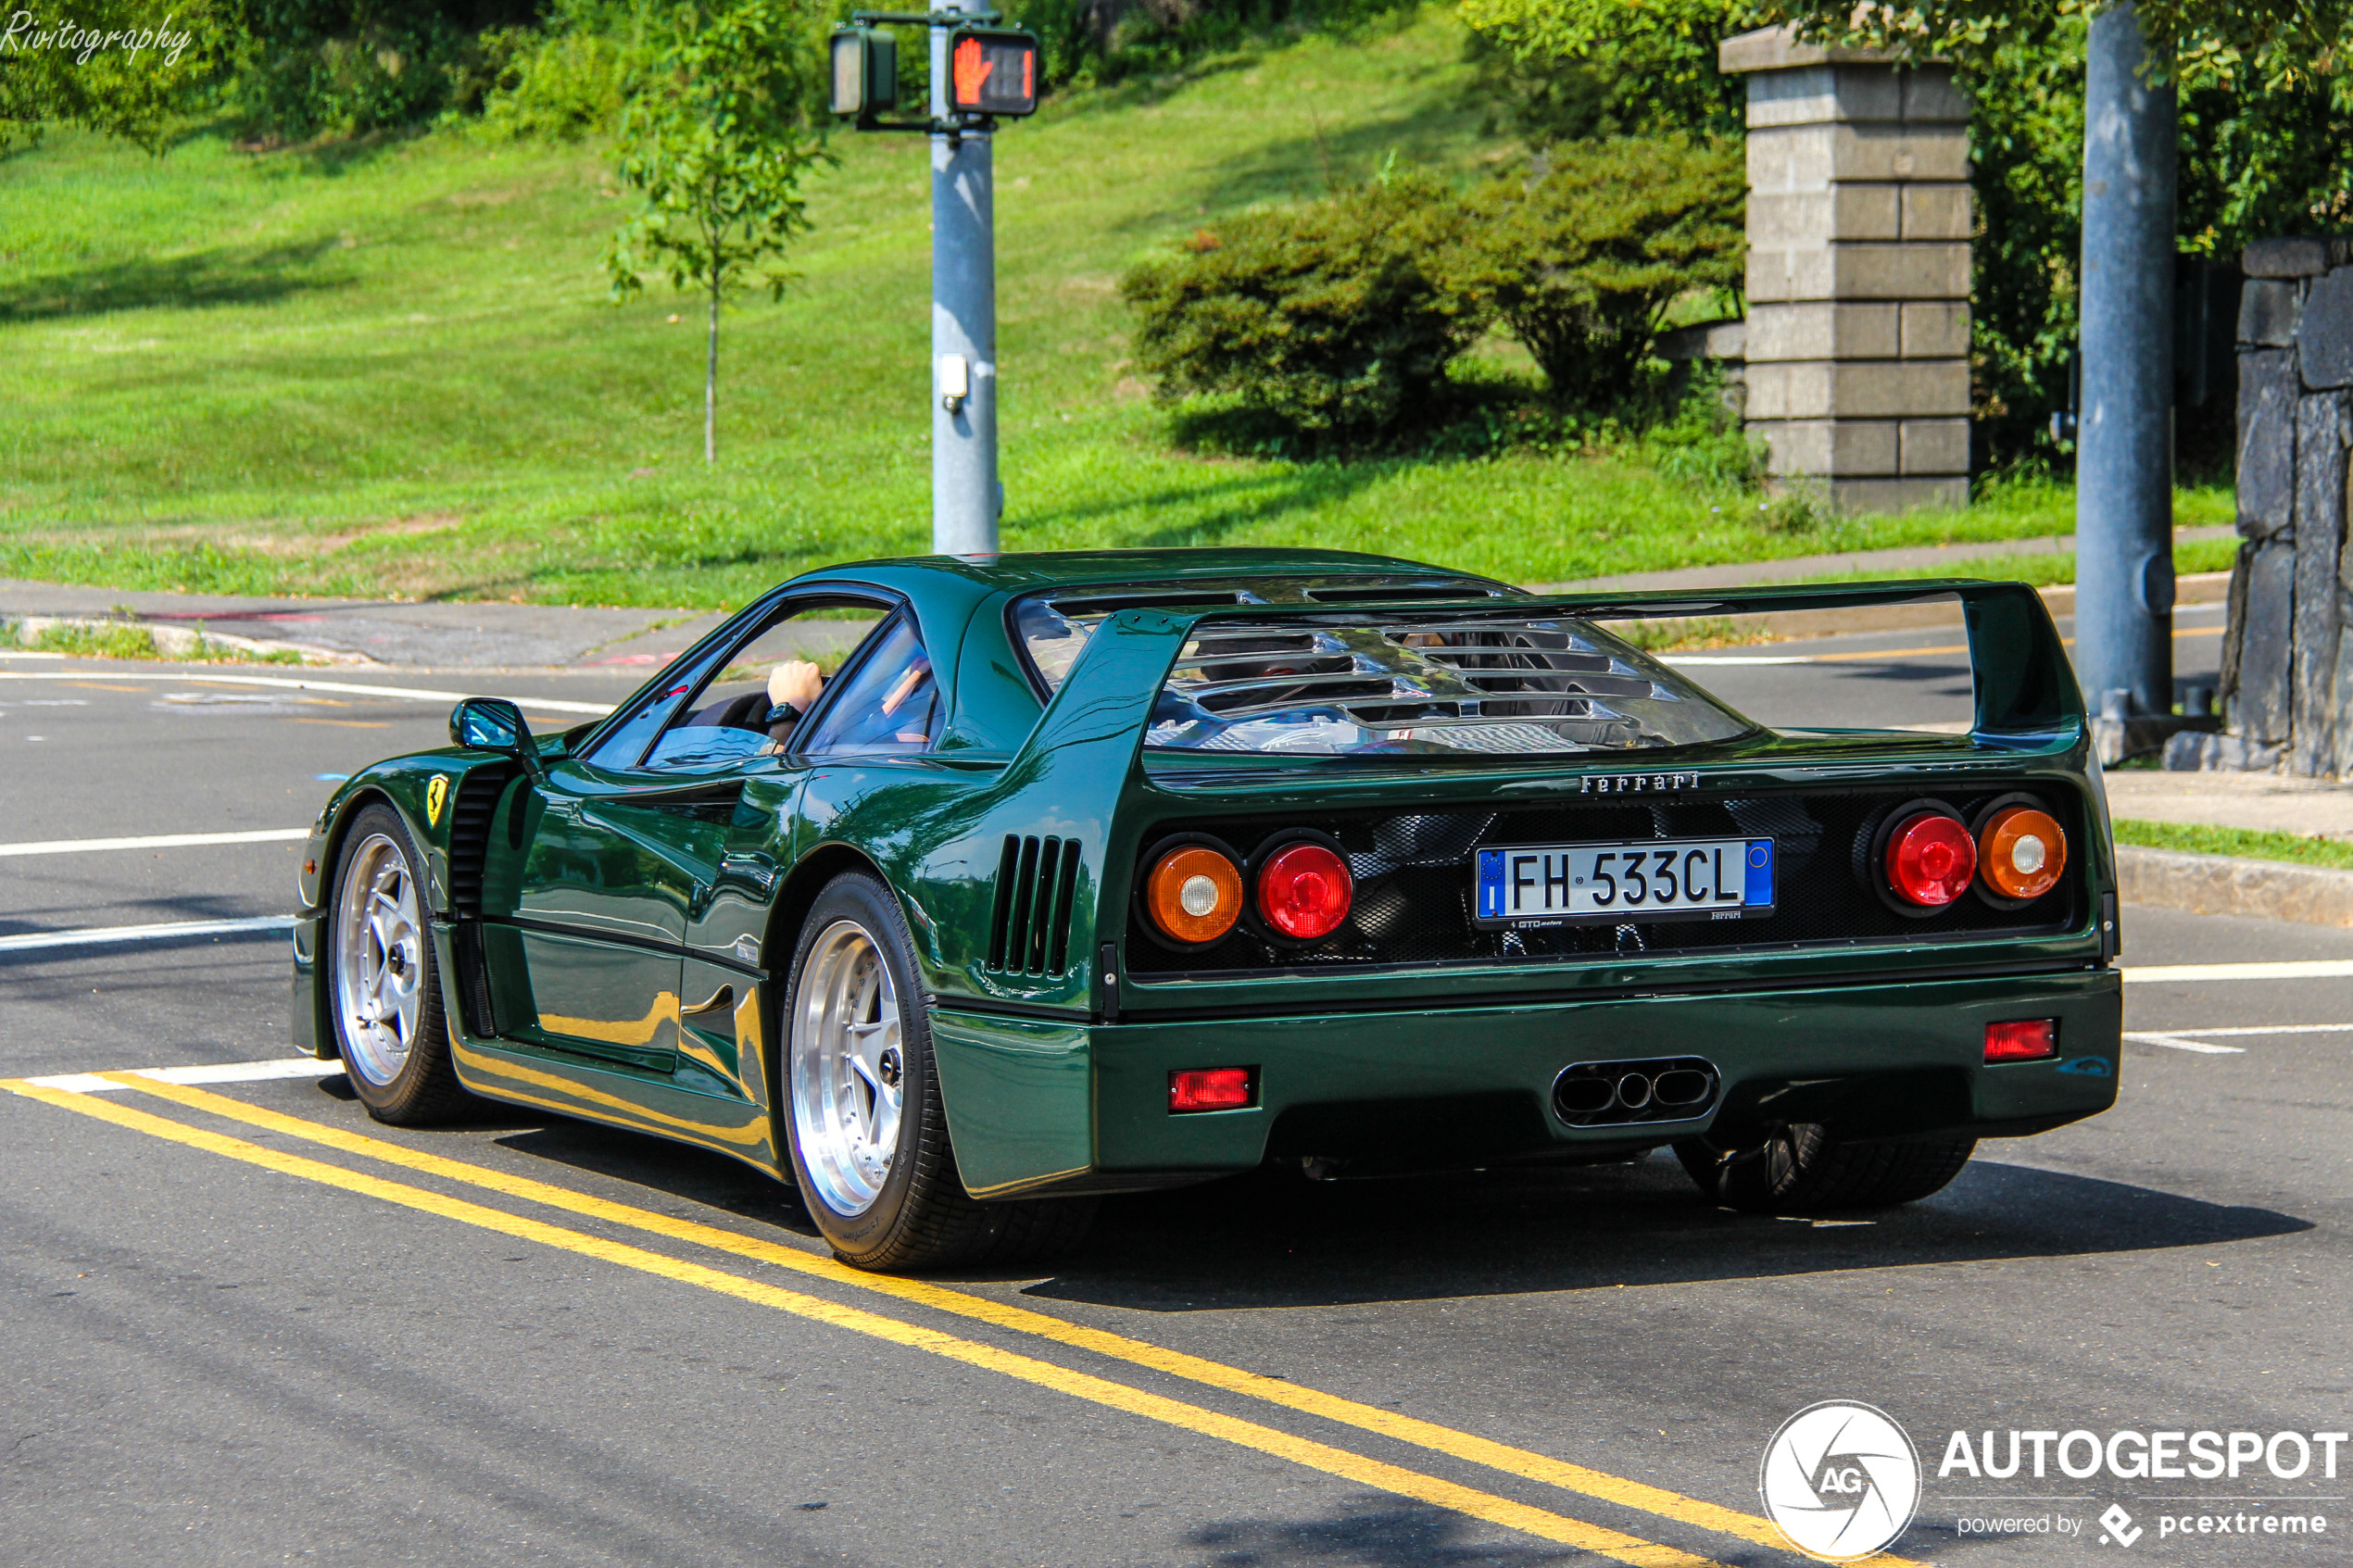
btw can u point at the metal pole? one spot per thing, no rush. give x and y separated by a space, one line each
965 499
2123 463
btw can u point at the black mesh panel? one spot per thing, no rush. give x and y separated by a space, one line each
1414 881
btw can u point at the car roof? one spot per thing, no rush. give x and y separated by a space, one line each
1030 571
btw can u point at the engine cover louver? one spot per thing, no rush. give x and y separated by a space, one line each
1029 927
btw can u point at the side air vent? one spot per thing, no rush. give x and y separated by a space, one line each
1029 928
470 812
470 816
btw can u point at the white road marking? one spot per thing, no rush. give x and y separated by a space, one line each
1679 659
2237 1029
288 683
217 1072
103 935
2175 1042
152 841
2295 969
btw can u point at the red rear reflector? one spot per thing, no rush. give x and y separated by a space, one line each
1212 1088
2025 1039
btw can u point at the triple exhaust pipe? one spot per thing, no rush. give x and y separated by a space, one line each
1607 1093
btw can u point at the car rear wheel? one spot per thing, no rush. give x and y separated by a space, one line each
1799 1168
389 1029
862 1116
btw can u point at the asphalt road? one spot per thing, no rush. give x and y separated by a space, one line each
232 1342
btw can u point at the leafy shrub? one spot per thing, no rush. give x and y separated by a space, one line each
346 66
569 77
1329 317
1701 444
1580 262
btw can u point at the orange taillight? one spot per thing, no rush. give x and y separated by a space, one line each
1194 893
2021 852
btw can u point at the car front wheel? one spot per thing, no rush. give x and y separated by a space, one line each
389 1029
862 1115
1798 1168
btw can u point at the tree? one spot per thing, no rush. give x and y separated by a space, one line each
120 67
718 135
2260 144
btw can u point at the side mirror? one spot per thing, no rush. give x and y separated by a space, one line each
492 724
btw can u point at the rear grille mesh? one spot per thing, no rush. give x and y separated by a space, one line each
1413 902
1029 927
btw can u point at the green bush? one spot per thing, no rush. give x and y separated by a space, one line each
1330 317
1580 261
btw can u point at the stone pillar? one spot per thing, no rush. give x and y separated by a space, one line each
1859 271
2287 661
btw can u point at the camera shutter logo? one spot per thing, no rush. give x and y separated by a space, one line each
1841 1480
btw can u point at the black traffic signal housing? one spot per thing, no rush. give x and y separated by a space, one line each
992 72
865 71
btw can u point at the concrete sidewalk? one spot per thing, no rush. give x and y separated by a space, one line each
432 636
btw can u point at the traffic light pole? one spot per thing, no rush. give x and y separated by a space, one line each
2123 463
965 496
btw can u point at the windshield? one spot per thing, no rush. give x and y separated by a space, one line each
1436 683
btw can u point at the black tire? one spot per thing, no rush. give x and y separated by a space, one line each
1798 1168
921 1216
422 1088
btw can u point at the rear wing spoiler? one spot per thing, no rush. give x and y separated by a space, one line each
2024 687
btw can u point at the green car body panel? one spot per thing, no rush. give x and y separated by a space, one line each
621 950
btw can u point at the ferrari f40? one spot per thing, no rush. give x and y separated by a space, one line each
1089 874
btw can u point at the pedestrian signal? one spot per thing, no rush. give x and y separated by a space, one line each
866 62
992 71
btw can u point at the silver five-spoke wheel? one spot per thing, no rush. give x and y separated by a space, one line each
379 959
849 1068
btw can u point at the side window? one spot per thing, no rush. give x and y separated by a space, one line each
625 743
717 710
891 702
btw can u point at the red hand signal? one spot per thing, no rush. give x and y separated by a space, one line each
971 69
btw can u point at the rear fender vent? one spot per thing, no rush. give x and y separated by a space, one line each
1029 927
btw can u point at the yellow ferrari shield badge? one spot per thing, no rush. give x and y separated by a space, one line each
437 792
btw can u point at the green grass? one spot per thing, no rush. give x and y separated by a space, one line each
2246 843
390 367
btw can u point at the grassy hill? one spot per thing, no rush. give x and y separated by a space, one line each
392 368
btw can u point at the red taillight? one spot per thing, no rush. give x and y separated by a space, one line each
1931 859
1303 892
2024 1039
1211 1088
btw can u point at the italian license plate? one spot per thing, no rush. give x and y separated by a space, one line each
1644 880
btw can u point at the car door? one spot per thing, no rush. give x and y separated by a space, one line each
620 846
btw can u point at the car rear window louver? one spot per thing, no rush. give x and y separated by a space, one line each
1029 928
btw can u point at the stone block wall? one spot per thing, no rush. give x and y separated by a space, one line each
2287 659
1859 271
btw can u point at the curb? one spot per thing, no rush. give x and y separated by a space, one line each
177 641
2224 885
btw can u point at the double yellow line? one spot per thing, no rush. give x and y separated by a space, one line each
1496 1510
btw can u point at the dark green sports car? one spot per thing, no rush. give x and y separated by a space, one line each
1089 874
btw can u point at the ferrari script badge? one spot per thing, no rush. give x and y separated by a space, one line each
437 794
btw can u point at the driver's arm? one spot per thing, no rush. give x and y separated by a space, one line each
793 689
